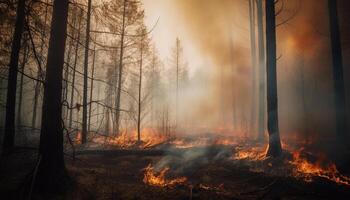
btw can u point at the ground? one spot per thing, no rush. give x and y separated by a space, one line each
210 172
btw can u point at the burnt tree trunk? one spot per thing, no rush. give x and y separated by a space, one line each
338 76
140 88
91 87
274 148
20 98
86 71
51 171
120 74
9 137
76 56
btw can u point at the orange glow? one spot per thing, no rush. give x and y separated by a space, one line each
159 179
308 170
254 154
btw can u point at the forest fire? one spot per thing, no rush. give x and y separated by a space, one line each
153 178
299 163
308 170
254 153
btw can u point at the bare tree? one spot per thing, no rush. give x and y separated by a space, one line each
86 71
338 74
9 137
274 148
51 171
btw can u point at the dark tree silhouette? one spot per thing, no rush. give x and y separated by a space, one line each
274 148
338 76
9 137
86 71
51 171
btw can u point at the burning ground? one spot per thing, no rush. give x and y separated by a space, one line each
199 167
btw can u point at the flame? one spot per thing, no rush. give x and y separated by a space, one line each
127 140
254 154
158 179
308 170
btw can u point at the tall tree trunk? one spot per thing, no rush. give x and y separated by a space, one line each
92 87
86 71
74 70
274 148
121 58
20 98
253 55
40 72
69 56
9 137
262 75
338 76
51 171
139 100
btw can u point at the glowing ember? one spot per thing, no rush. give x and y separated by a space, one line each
125 140
308 170
254 154
159 179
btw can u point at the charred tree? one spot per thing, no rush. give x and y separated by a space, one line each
74 70
338 75
86 71
274 148
51 170
20 98
120 73
9 137
91 87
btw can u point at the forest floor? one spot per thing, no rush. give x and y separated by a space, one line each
210 174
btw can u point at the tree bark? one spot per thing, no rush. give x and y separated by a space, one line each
51 171
9 137
140 88
274 148
74 70
86 71
121 58
92 87
338 75
20 98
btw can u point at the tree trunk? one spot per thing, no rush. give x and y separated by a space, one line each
274 148
121 58
338 77
20 98
86 71
74 70
51 171
262 76
9 137
139 100
92 87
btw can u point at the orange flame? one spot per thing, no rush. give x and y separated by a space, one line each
308 170
158 179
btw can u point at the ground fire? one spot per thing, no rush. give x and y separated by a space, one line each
159 179
175 99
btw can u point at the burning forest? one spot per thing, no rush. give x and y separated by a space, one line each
176 99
